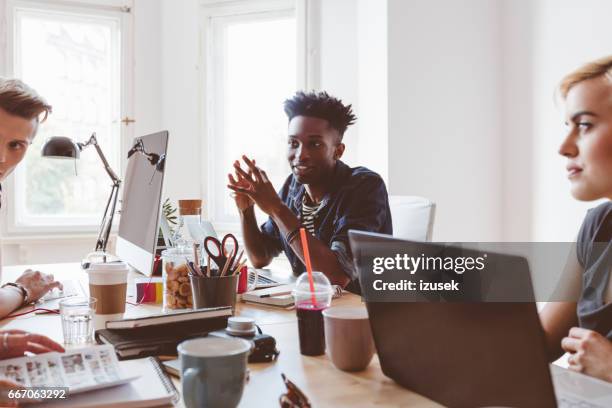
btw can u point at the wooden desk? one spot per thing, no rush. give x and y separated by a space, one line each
325 385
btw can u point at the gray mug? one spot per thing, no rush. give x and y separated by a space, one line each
213 371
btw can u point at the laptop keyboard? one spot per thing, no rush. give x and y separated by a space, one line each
261 280
570 402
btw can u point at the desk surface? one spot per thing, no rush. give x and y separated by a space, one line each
316 376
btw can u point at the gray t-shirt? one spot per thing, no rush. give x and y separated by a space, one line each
594 252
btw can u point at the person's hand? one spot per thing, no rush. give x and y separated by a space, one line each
591 353
243 201
37 284
257 187
5 386
14 343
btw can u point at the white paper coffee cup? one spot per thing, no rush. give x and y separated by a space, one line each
108 284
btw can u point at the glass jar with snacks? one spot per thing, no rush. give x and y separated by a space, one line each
175 276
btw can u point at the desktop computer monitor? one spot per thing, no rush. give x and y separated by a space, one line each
140 209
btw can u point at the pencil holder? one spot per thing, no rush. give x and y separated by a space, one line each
214 291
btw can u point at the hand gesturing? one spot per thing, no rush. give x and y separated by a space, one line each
255 185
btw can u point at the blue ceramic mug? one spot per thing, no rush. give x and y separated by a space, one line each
213 371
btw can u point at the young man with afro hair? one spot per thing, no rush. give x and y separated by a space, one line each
322 194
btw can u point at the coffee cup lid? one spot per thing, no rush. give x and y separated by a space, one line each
321 285
240 326
110 266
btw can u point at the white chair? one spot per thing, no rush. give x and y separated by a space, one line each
413 217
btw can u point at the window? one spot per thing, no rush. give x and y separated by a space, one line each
252 69
71 56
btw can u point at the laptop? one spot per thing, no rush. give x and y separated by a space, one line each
268 278
468 354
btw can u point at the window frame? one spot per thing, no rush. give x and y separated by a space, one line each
307 68
116 9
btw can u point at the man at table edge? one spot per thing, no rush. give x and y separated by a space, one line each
322 194
21 112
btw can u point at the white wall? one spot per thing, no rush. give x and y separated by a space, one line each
444 112
147 66
517 119
180 97
373 86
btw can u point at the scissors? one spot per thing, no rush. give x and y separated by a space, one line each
220 254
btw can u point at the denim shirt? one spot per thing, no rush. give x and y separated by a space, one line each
357 200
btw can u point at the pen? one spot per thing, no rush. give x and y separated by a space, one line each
267 295
190 265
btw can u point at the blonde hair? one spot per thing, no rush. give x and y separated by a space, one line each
590 70
18 99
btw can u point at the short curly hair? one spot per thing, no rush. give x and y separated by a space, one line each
323 106
18 99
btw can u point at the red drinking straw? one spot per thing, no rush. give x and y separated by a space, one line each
308 264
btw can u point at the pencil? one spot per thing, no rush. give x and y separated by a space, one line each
228 261
240 265
208 267
237 262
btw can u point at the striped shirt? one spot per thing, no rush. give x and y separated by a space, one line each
309 213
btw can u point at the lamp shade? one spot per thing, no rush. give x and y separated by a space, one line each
61 147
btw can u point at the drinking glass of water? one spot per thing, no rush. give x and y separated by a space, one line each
77 315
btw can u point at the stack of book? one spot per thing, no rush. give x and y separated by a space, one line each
160 334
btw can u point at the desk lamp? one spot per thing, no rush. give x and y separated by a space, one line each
61 147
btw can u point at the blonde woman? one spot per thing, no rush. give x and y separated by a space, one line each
584 329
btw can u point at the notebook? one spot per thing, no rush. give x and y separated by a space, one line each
279 295
166 318
78 370
151 389
275 296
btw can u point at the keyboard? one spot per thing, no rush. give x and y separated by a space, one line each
571 402
51 299
262 280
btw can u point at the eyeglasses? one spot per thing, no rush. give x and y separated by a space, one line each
294 397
